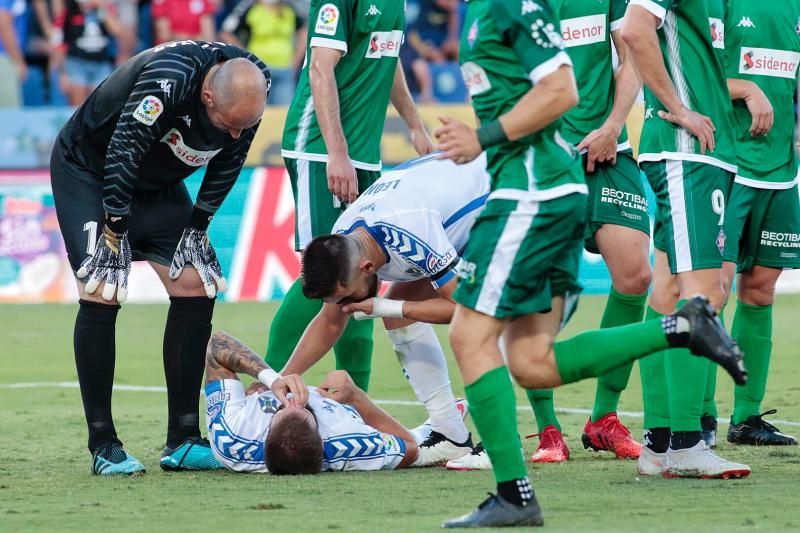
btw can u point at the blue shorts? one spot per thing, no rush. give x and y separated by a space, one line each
85 72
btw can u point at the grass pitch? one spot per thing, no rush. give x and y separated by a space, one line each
44 466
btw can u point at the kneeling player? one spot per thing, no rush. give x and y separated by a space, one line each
409 227
263 429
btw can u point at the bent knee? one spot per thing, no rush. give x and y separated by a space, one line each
634 282
530 371
757 289
187 284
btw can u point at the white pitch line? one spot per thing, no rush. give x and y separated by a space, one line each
405 403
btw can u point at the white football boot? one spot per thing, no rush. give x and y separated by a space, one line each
651 463
434 447
700 462
423 431
477 459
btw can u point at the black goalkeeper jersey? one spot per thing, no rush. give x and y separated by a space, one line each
145 126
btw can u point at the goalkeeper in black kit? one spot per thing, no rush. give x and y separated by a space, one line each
117 170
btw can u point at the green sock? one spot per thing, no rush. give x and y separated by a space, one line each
493 407
686 379
752 329
621 309
294 314
543 409
655 397
354 351
599 351
709 397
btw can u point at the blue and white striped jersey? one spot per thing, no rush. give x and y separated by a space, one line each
238 426
421 213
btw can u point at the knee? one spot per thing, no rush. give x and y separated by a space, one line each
665 296
188 284
529 370
635 281
755 290
467 342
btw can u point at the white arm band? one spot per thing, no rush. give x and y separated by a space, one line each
382 307
268 377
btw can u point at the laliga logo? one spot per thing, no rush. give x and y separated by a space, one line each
328 15
151 107
328 20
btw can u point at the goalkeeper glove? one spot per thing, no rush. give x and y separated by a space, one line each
194 248
111 260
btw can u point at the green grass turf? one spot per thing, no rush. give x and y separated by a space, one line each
44 466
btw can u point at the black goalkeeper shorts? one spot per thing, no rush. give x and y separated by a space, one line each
156 223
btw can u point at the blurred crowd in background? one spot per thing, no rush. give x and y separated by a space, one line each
55 52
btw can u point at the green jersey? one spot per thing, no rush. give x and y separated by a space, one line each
508 46
762 45
691 36
586 27
369 34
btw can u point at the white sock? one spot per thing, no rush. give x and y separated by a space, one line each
423 362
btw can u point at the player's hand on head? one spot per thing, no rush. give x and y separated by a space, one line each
110 263
291 383
342 179
457 141
698 125
339 386
195 249
600 146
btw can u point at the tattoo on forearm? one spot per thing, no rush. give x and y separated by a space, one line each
225 351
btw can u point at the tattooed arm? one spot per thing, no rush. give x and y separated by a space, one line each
226 357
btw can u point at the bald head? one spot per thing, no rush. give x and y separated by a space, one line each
236 94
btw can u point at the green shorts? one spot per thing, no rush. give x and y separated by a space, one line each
762 227
316 208
690 211
616 196
522 253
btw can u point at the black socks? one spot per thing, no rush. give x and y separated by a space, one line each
95 354
657 439
516 491
186 336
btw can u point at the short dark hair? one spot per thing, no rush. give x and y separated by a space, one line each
293 446
326 262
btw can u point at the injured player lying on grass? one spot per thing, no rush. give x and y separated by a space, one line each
281 426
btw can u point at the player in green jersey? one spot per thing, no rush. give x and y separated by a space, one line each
331 145
518 277
762 225
618 225
687 153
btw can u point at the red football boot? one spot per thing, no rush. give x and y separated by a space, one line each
609 434
552 448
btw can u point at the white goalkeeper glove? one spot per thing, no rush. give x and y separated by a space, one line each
195 248
110 262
